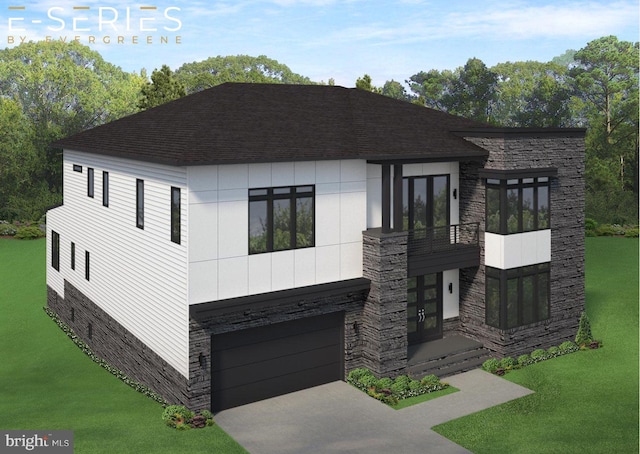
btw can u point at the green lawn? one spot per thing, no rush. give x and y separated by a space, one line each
46 382
585 402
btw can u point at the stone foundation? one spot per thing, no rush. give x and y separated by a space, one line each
116 345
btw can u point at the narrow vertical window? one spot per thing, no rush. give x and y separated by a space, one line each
90 182
73 256
55 250
140 204
175 215
105 189
86 265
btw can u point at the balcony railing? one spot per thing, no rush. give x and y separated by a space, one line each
442 239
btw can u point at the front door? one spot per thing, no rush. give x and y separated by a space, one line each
424 308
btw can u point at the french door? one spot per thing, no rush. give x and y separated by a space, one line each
424 308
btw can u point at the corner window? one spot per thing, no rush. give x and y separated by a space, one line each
175 215
55 250
517 205
105 189
140 204
90 182
517 297
281 218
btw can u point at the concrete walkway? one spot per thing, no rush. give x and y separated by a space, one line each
337 418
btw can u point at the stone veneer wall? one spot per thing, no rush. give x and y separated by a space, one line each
384 319
208 324
115 344
509 151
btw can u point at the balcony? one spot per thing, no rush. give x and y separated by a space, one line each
435 249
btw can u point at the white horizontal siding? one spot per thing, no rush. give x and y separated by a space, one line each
219 264
139 277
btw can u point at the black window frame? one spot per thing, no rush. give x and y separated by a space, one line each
55 250
504 186
73 255
175 214
77 168
272 194
515 277
90 182
87 265
140 203
105 188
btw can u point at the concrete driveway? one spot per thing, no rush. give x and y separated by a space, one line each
337 418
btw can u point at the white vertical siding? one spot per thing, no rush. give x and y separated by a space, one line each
219 264
139 277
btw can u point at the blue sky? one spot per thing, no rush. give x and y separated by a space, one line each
322 39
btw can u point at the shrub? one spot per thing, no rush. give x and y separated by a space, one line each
207 414
632 233
29 233
491 365
584 336
552 352
7 229
384 383
176 415
568 347
368 381
508 363
610 230
524 360
358 374
429 380
538 355
414 385
590 224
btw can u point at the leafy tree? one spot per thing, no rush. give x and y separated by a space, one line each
214 71
532 94
365 83
63 88
473 91
432 87
163 88
395 90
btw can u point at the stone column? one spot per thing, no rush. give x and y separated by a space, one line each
384 318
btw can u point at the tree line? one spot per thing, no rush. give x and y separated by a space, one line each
51 90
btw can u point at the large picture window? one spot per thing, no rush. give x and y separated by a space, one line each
517 205
281 218
518 296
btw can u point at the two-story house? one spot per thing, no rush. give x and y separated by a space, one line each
251 240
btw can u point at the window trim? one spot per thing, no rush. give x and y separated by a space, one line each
87 264
55 250
90 182
140 203
271 195
77 168
503 277
105 189
73 255
506 184
176 218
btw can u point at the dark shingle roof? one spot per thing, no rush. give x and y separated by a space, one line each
236 122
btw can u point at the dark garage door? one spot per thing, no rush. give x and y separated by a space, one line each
258 363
